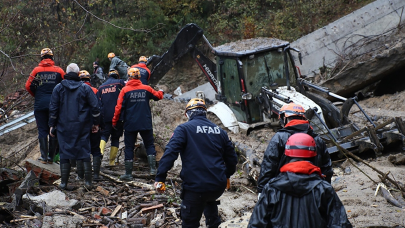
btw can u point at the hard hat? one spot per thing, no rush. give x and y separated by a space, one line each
291 109
300 145
84 74
143 59
195 103
111 55
46 51
113 72
134 73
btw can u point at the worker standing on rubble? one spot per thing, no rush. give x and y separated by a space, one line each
145 72
40 85
108 95
208 160
133 107
299 196
95 138
293 119
98 75
74 113
118 65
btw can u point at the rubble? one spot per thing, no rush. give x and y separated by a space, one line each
54 199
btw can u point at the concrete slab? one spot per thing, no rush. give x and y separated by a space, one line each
54 199
48 173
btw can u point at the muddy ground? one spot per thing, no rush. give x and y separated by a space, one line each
354 189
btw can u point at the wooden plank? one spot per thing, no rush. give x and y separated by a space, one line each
146 209
116 210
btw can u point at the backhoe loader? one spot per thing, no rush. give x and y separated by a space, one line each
254 78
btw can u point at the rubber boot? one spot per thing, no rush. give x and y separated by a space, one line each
64 173
88 176
113 155
43 147
129 165
53 146
96 167
80 169
152 164
102 146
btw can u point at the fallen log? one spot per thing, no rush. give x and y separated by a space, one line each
133 183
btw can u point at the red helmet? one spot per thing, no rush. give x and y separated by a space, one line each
300 145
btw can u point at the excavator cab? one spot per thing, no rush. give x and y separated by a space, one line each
242 75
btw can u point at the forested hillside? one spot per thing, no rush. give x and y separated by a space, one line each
83 30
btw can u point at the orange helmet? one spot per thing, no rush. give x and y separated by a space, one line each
143 59
111 55
291 109
84 74
113 72
46 51
300 145
195 103
134 73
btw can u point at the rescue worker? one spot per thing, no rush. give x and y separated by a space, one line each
98 75
145 72
95 138
119 65
208 159
293 119
133 106
108 95
74 112
299 196
40 85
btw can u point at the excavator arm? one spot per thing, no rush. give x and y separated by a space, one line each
184 43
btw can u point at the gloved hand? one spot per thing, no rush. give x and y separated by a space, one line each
161 90
160 187
94 129
228 184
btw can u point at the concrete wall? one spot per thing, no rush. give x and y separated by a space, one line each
325 45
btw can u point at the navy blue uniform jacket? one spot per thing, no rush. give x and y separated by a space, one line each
73 110
108 95
133 106
41 82
208 156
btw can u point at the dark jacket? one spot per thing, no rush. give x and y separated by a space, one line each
98 71
73 110
208 156
108 94
133 106
274 156
298 200
145 72
120 66
41 82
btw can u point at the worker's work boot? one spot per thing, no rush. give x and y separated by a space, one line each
129 165
152 164
53 146
113 155
88 176
80 169
43 147
96 167
102 146
64 173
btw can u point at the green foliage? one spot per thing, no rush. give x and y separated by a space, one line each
134 28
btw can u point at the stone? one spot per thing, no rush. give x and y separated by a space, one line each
65 221
54 199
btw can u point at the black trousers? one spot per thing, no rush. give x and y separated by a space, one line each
194 204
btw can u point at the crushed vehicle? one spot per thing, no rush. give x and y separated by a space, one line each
254 78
